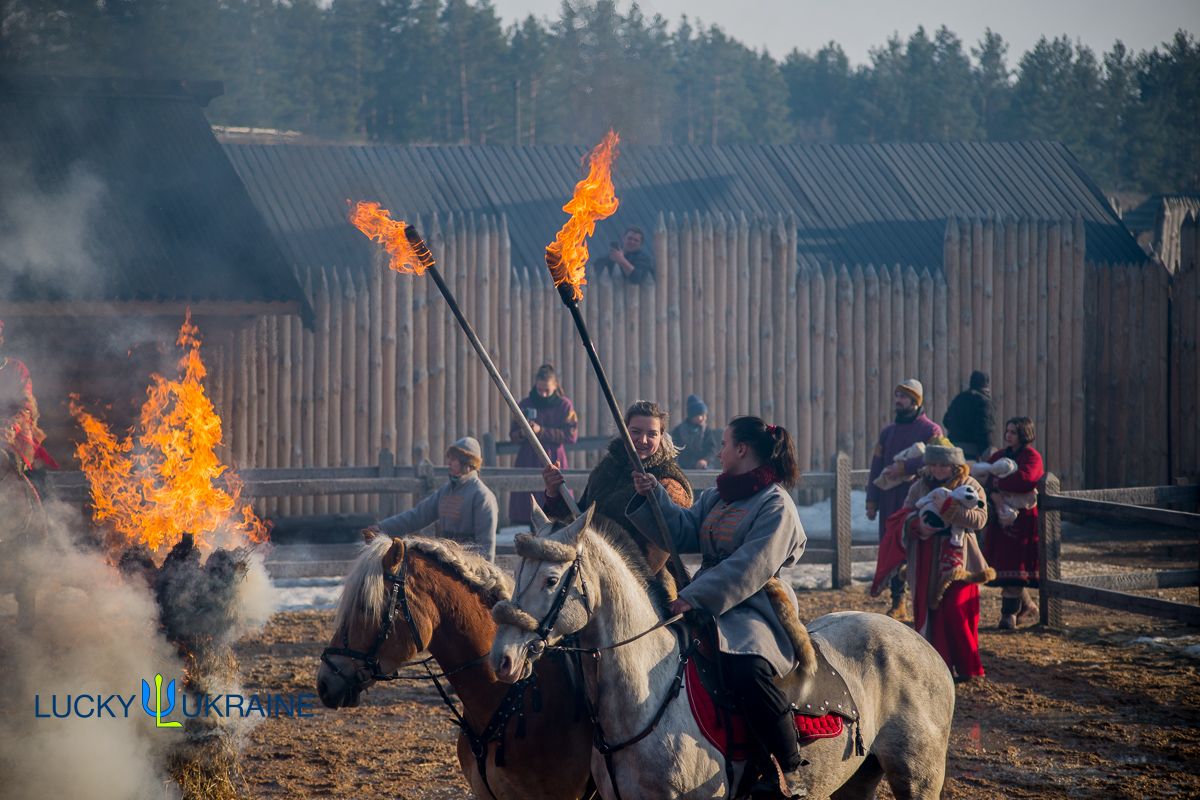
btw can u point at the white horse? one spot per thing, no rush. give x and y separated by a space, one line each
573 581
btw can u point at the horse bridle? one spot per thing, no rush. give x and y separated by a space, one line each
397 577
550 618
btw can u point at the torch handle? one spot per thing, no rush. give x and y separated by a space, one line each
530 436
622 428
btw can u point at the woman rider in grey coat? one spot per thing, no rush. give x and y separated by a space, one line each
747 530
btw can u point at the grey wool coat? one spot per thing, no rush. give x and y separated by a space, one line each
466 512
743 544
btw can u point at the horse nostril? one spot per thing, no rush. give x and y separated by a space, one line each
505 665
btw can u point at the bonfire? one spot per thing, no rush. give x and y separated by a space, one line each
172 518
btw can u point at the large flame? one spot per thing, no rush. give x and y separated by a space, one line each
377 224
594 199
164 479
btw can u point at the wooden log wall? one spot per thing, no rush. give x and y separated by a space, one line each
1184 364
737 318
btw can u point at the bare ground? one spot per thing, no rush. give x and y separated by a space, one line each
1085 712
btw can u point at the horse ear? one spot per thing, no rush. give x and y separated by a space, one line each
392 558
573 531
537 516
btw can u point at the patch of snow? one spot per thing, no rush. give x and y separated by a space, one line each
307 594
1188 646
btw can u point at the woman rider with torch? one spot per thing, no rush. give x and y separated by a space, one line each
566 258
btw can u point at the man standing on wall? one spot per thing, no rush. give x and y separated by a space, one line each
910 427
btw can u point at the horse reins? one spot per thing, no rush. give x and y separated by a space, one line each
541 645
512 704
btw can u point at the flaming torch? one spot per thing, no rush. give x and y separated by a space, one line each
566 257
410 254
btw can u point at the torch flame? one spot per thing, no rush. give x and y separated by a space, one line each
165 481
377 224
594 199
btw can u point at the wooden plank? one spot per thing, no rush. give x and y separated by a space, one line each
952 270
1052 428
856 443
818 381
925 343
840 525
832 397
1123 601
986 319
1142 495
1050 556
1130 581
871 388
777 341
1079 320
802 387
844 368
1122 511
675 282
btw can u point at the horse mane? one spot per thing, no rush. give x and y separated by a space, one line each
364 586
622 543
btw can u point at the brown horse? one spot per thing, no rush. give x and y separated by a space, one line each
405 596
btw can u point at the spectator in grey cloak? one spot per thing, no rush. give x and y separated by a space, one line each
464 509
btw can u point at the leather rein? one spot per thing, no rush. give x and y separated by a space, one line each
512 704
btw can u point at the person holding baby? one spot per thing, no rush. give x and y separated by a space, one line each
894 465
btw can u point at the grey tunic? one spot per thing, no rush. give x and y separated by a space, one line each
743 544
466 512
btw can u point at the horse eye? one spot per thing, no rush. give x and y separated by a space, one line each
551 581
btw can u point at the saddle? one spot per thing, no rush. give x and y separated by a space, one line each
822 703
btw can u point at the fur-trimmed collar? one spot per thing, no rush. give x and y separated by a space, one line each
666 452
738 487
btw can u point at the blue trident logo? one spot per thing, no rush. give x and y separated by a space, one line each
156 709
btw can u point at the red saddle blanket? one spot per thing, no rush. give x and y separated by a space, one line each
712 719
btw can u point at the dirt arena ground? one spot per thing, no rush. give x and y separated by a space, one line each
1110 707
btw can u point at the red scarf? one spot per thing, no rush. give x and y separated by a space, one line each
738 487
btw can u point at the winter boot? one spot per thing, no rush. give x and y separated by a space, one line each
1029 612
1009 606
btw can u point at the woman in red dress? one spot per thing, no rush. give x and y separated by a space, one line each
1011 542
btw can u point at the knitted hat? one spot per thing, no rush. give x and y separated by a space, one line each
695 406
940 451
468 449
913 388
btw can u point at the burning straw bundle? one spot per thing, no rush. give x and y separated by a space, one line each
165 488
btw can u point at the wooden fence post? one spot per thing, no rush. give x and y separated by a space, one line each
387 468
1050 542
839 517
488 439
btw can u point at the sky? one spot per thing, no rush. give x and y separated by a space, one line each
858 25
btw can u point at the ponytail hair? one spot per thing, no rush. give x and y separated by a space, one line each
771 443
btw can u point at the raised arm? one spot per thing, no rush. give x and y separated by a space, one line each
422 514
683 524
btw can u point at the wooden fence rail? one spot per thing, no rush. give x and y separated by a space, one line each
1112 591
386 483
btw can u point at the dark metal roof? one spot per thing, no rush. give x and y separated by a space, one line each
1145 217
853 204
118 191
